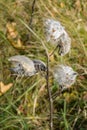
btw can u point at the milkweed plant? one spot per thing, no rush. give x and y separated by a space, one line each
64 75
55 34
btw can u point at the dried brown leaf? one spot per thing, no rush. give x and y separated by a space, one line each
14 37
4 88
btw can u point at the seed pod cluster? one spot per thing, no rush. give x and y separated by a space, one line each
63 74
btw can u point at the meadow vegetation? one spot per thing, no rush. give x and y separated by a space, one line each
25 106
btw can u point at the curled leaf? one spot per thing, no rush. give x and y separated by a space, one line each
4 88
13 36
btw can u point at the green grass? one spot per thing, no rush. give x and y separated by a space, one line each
26 106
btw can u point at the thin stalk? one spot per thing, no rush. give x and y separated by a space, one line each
59 40
54 50
47 74
32 11
50 96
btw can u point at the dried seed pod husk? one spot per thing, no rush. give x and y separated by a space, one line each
23 65
39 65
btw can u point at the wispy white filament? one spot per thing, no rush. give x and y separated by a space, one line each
65 76
56 34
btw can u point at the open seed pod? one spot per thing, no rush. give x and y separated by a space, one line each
56 34
39 65
23 65
65 76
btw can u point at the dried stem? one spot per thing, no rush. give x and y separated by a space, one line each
32 11
54 50
50 96
56 94
79 111
56 45
47 74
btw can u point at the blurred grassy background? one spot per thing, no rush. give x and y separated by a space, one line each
25 106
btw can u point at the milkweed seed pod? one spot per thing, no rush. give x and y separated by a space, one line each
22 65
56 34
65 76
39 65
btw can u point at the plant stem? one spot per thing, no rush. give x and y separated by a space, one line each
32 11
53 51
50 96
47 74
59 40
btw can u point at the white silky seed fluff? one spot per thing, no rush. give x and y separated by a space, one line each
23 65
26 63
55 33
64 75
